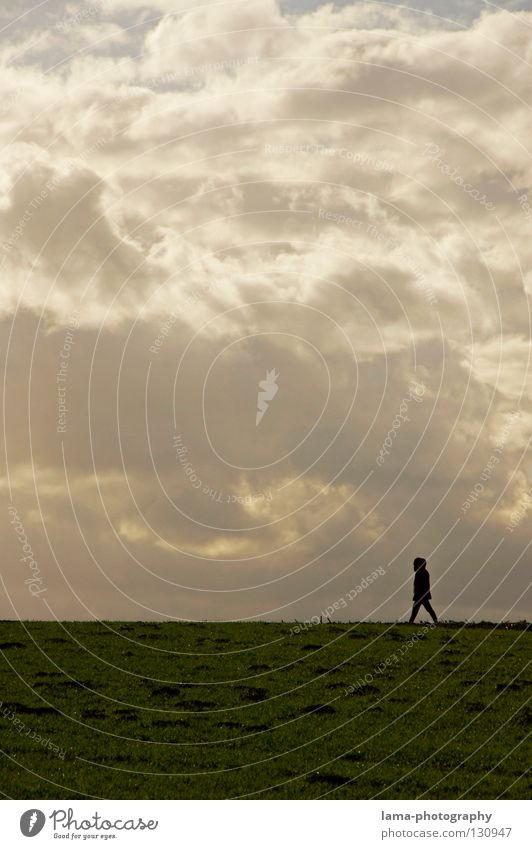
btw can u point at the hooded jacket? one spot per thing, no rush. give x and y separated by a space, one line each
422 584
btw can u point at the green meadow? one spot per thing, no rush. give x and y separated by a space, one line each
257 710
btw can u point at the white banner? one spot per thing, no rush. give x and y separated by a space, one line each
264 824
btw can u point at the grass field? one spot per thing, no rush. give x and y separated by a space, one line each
222 710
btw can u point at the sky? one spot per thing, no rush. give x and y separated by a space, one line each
265 309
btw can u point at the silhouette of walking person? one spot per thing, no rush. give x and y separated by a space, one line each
422 594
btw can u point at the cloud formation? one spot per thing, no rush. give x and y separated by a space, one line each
194 197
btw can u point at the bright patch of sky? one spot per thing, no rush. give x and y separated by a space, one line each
459 11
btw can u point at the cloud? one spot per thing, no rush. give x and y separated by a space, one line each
194 196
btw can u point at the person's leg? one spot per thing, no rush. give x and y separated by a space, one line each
428 607
415 611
